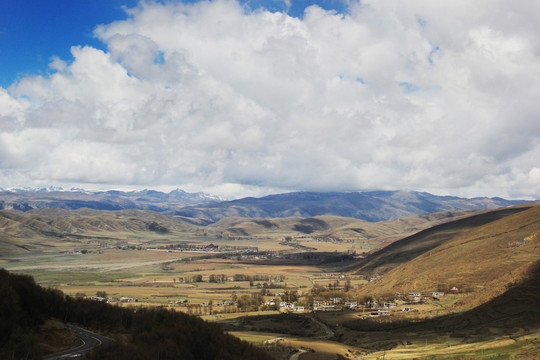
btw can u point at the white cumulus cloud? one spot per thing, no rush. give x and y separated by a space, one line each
440 96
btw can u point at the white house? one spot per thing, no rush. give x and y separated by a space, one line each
286 306
351 304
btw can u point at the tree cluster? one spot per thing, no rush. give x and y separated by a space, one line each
153 333
243 277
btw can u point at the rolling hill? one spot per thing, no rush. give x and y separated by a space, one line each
376 234
406 249
482 254
42 229
505 326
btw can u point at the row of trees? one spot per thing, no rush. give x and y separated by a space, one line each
220 278
243 277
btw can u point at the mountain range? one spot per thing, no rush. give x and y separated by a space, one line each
369 206
206 209
27 199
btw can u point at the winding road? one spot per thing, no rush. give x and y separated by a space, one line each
89 340
296 356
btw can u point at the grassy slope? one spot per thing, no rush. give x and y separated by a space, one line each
402 251
43 229
379 233
479 258
506 327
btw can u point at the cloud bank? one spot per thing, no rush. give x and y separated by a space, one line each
439 96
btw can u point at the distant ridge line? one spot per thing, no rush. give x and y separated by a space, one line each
370 206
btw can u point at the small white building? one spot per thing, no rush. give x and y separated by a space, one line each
351 304
379 312
127 299
286 306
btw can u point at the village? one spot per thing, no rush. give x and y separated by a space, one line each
333 297
401 303
291 302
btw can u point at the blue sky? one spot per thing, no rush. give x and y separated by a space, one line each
257 97
33 31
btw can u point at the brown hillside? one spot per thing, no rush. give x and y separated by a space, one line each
36 229
385 232
369 234
507 324
484 259
402 251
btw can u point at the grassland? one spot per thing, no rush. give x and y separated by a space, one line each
122 258
154 277
480 261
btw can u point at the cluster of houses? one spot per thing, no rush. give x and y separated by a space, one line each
213 303
378 309
219 303
291 307
110 300
211 248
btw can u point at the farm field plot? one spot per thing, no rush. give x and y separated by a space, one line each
230 316
102 260
160 277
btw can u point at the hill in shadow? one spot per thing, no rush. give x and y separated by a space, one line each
514 314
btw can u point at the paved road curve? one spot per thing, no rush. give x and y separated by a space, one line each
296 356
90 341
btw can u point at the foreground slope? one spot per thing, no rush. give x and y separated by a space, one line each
506 326
483 260
404 250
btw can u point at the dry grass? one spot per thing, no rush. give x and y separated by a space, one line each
479 259
323 346
143 276
503 348
254 337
